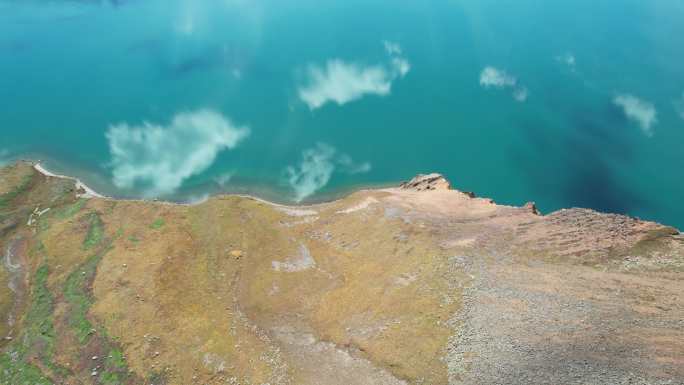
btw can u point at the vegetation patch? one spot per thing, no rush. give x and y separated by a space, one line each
157 378
14 370
115 370
40 329
71 209
115 359
38 250
77 285
652 242
8 197
38 338
158 224
77 294
43 224
95 232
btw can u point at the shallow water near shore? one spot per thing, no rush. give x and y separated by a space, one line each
567 103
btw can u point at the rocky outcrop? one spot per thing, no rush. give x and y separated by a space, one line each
427 182
532 207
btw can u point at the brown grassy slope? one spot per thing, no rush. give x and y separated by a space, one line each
382 287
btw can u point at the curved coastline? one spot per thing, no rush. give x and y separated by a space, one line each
294 209
89 192
92 193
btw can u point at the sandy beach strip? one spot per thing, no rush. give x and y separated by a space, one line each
89 192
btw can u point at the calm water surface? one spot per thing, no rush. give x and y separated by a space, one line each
566 103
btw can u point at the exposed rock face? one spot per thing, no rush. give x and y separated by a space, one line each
427 182
531 207
402 286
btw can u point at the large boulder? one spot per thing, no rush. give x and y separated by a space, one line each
427 182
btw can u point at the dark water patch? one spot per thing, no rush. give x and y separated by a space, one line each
113 3
224 56
197 63
600 147
592 183
602 131
151 46
584 156
64 10
16 47
178 62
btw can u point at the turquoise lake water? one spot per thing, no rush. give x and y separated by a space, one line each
566 103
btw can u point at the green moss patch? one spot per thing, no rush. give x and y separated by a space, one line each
13 370
38 338
95 232
8 197
77 294
70 210
39 328
157 224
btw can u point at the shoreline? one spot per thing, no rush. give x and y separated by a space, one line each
91 193
294 209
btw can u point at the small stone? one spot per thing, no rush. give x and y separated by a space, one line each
94 358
